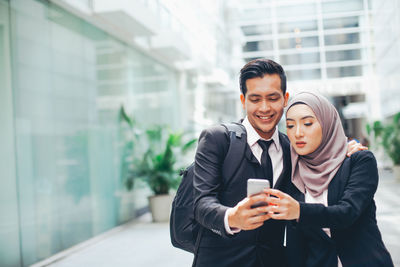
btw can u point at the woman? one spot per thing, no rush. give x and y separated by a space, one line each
332 208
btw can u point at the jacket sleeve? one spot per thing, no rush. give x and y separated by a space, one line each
357 196
211 150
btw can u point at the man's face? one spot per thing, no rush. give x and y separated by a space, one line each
264 103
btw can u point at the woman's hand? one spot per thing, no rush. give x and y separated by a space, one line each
281 206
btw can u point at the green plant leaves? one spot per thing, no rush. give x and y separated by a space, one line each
155 162
174 139
388 135
154 134
124 117
189 145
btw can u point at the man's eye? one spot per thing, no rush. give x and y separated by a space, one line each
274 99
254 100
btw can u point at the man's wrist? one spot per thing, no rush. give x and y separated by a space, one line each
231 217
228 221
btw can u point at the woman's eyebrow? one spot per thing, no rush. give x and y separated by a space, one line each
305 117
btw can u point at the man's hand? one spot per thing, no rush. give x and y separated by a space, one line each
353 147
246 218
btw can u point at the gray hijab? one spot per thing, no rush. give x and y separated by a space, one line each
314 172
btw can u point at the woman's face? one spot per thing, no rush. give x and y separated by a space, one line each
303 129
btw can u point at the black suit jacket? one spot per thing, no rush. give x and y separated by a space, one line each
350 215
214 194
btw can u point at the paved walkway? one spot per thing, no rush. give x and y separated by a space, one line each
136 244
145 244
387 200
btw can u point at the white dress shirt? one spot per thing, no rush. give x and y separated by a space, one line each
275 152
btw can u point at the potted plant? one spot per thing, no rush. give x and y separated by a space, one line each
156 164
388 135
158 169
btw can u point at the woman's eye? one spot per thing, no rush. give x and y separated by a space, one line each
289 126
308 124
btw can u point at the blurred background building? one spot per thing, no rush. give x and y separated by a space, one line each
344 49
324 46
68 66
386 27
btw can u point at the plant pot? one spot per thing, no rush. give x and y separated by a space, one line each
396 171
160 207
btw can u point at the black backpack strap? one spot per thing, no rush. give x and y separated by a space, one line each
237 146
197 245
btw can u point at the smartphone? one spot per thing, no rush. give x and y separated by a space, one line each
256 186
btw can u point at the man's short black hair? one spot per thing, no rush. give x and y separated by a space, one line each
258 68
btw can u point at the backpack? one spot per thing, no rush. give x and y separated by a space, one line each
185 231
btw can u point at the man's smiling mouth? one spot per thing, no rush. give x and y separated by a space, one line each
265 117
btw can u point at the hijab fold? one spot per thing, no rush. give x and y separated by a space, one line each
314 172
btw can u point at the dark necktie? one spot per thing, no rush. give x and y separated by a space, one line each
266 163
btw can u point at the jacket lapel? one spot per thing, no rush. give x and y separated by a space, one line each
249 155
336 186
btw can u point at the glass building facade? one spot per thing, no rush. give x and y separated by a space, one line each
62 83
313 39
325 46
387 31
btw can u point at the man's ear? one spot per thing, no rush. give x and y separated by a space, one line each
286 99
243 100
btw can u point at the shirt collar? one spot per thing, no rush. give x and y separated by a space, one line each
253 136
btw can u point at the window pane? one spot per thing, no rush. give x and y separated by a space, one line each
248 59
343 55
338 23
257 29
256 1
258 46
349 71
9 221
303 74
298 26
250 14
339 39
296 11
342 6
300 59
298 42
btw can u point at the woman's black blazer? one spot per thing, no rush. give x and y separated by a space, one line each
350 215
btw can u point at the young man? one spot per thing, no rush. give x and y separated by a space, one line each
236 234
221 205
